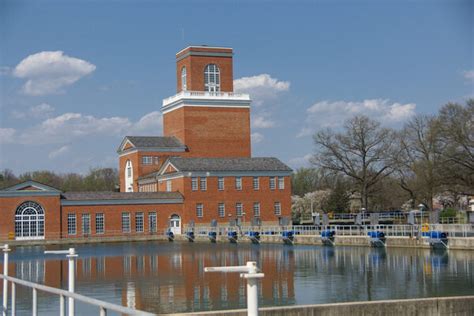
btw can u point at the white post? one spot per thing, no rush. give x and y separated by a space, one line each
71 279
5 282
249 272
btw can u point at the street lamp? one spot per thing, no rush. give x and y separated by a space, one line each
421 207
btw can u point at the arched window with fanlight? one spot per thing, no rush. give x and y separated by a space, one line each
29 221
212 80
183 79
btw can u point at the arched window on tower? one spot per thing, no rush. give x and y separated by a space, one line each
212 80
183 79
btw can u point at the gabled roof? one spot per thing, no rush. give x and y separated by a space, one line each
228 164
29 187
151 143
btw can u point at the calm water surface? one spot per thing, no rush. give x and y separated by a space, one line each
168 277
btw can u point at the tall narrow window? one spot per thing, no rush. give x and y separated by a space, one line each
71 224
139 222
277 208
194 184
99 223
125 222
212 80
86 224
256 183
272 183
168 185
281 183
221 209
238 209
183 79
199 210
203 183
256 209
220 183
238 183
152 222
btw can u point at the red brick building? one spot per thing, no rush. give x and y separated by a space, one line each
200 171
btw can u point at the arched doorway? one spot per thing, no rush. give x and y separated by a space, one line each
29 221
175 224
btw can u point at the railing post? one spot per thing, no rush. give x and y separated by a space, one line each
5 282
13 308
61 305
34 303
252 292
71 279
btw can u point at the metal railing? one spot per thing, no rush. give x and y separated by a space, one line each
206 95
102 306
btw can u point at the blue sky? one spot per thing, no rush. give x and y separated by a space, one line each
76 77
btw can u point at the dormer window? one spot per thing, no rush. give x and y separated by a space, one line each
212 80
183 79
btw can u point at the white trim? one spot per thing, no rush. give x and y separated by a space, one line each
205 96
175 107
193 46
166 178
30 238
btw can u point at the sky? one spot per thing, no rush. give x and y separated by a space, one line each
77 76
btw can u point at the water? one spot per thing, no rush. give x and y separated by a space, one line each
168 277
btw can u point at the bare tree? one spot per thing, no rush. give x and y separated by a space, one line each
363 151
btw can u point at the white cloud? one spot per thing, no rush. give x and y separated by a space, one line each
38 111
469 75
260 87
6 135
59 152
70 126
300 161
262 121
48 72
256 138
333 114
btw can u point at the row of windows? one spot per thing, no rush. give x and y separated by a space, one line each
239 209
100 223
201 183
150 160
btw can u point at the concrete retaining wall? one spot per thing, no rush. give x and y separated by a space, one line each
458 306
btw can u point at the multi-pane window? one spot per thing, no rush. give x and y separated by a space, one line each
256 209
99 223
238 183
168 185
203 183
86 224
183 79
220 183
71 224
125 222
221 209
238 209
281 183
194 184
277 208
212 78
199 210
139 222
272 183
256 183
152 222
147 160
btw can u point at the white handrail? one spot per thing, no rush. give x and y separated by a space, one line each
75 296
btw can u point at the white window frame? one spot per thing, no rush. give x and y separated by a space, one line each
220 183
221 210
272 183
152 222
238 183
184 85
212 81
99 223
194 184
126 222
277 208
256 183
71 224
281 183
203 183
239 209
199 210
139 222
256 209
169 186
86 224
147 160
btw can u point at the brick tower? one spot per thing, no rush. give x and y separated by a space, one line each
205 114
